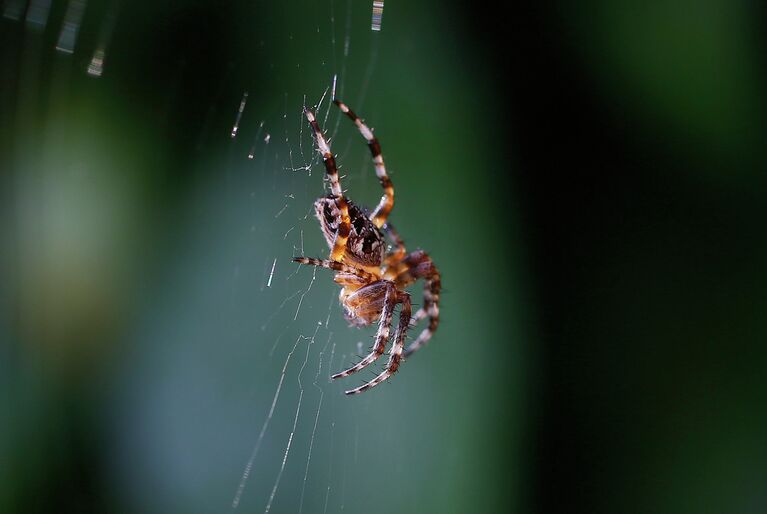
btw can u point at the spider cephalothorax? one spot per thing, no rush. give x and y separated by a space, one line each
365 245
372 281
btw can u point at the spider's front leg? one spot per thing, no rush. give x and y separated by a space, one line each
386 204
331 170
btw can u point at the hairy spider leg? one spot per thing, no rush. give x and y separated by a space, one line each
406 269
382 335
337 266
395 354
381 212
414 266
399 245
344 227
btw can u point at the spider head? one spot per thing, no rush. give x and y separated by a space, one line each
365 245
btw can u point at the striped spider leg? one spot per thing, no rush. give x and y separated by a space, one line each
331 170
406 269
386 203
419 265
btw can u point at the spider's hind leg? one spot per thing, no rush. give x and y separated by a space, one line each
395 354
363 301
417 265
336 266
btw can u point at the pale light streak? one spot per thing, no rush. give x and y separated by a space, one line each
377 15
37 14
236 126
71 26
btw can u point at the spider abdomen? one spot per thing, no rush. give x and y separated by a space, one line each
363 306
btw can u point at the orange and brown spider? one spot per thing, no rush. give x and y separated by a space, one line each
372 280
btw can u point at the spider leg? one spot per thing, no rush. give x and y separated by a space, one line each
331 170
418 316
399 251
381 212
337 266
382 335
398 269
419 265
395 354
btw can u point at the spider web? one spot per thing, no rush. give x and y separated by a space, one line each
237 412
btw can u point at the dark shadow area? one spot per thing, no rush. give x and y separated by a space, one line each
644 227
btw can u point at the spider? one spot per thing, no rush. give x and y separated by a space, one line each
372 280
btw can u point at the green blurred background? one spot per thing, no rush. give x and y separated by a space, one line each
588 176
